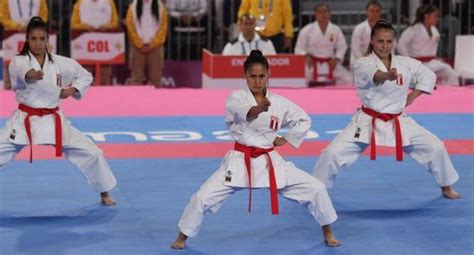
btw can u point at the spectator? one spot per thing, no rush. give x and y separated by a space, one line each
96 15
324 46
147 26
272 16
15 17
248 39
421 41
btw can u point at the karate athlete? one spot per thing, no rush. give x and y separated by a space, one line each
254 117
360 39
421 41
324 46
40 80
381 79
248 39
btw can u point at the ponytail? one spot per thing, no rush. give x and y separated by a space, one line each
255 57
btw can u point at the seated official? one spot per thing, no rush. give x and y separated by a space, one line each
248 39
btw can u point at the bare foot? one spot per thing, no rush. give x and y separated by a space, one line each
106 199
329 238
180 242
449 192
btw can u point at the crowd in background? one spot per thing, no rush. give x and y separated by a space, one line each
176 30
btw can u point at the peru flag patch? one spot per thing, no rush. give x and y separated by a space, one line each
399 80
274 122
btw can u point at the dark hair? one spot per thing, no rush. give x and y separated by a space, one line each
35 23
373 2
379 25
321 5
422 11
255 57
155 9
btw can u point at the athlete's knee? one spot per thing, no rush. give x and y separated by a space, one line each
4 161
95 152
437 148
203 200
333 151
313 186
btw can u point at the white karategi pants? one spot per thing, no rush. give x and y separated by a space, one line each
425 148
443 71
80 150
302 188
341 75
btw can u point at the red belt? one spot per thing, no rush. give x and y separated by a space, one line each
317 60
253 152
41 112
398 133
425 59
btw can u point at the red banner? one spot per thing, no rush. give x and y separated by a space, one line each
227 71
281 66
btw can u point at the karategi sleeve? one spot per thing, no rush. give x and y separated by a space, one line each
237 107
75 75
297 122
423 78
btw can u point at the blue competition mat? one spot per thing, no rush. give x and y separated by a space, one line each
384 207
213 129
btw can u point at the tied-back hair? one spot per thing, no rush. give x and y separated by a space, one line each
422 11
35 23
155 9
379 25
255 57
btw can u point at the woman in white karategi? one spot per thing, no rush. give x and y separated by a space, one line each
382 81
254 116
360 38
40 80
324 45
421 41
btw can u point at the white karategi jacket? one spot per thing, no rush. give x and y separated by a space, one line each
244 47
311 40
388 97
258 133
331 44
416 42
63 72
360 41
